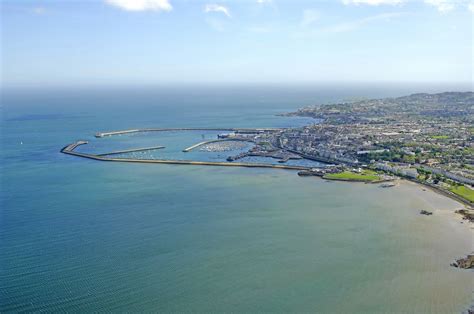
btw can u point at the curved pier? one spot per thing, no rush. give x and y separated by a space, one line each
69 150
118 152
241 130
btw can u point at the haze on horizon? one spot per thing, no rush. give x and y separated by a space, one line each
107 42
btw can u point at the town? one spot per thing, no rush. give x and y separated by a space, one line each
428 138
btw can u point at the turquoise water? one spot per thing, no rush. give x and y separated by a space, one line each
80 235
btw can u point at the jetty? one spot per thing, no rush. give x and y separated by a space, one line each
116 133
190 148
73 146
69 150
118 152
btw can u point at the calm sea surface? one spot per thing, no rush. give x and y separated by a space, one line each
81 235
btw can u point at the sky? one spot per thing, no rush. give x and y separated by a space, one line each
107 42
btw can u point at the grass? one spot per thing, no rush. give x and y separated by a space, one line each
366 175
469 167
440 137
464 192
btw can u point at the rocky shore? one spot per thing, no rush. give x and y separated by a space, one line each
467 214
465 263
426 213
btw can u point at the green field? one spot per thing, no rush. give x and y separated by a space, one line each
464 192
366 175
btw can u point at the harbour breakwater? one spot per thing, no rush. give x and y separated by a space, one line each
69 150
118 152
238 130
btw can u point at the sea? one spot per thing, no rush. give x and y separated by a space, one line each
79 235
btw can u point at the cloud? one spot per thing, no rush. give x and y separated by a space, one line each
353 25
443 6
141 5
373 2
309 17
264 1
470 6
39 10
345 27
217 8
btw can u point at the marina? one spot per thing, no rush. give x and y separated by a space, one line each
69 150
213 141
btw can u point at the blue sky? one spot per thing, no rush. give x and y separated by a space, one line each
167 41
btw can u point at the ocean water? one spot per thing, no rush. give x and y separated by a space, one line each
82 235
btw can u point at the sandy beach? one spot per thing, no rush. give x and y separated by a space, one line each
444 208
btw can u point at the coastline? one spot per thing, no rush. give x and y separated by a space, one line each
466 203
429 195
167 230
448 209
419 188
396 219
70 150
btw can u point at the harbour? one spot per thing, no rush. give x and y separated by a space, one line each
69 150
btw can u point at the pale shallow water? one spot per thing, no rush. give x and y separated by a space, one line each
81 235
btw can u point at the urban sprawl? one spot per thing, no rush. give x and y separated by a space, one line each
428 138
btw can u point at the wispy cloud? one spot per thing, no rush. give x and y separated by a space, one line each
348 26
264 1
141 5
470 6
309 17
373 2
217 8
356 24
443 6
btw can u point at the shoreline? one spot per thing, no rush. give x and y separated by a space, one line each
465 203
69 150
456 203
451 211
